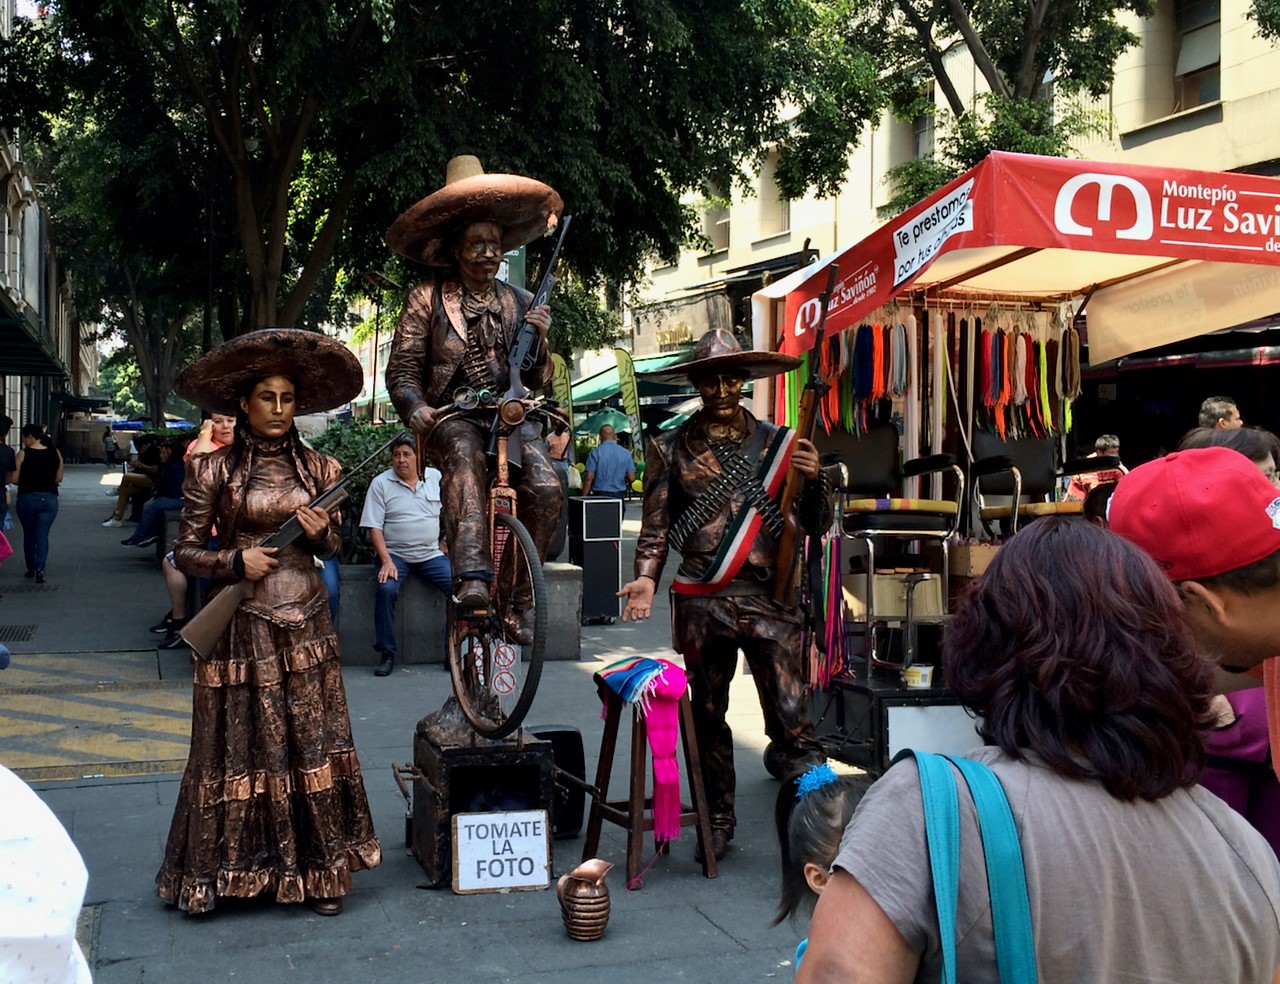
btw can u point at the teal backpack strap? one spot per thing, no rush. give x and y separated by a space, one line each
1006 875
942 833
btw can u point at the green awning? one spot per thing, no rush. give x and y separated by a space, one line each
603 385
24 351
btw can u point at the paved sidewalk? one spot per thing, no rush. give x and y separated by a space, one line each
89 624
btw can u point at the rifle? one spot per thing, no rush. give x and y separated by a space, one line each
784 578
205 628
525 343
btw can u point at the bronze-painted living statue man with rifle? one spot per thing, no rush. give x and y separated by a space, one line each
712 490
457 336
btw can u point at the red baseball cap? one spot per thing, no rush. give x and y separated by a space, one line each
1198 513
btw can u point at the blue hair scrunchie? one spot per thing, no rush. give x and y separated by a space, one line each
815 777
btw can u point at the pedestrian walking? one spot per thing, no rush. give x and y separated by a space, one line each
39 475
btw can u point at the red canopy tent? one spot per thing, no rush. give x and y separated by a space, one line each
1160 254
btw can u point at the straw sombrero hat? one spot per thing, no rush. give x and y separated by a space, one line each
325 372
525 209
718 351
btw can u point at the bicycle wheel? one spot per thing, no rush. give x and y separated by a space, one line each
494 676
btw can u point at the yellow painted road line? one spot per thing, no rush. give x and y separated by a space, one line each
56 728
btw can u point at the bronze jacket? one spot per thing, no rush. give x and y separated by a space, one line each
431 340
246 503
678 469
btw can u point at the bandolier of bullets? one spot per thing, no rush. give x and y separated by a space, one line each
736 473
475 366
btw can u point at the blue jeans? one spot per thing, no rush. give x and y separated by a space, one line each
331 585
437 570
36 512
152 517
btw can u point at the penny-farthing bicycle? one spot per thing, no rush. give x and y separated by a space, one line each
494 675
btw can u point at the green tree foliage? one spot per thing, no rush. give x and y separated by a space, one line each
121 383
1039 58
351 442
142 285
1267 15
580 320
310 125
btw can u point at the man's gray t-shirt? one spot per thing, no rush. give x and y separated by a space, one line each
1180 890
409 518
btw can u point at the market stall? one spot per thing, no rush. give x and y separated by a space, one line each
964 311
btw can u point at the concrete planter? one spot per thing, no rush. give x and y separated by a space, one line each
420 617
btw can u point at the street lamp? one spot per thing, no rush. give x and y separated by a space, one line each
381 282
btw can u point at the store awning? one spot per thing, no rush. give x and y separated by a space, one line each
1158 254
604 385
81 404
23 352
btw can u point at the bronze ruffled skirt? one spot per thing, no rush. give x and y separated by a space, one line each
272 800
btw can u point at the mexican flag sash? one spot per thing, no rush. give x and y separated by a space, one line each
744 527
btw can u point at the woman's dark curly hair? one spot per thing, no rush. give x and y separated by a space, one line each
1074 646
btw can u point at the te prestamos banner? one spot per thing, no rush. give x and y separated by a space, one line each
561 388
630 400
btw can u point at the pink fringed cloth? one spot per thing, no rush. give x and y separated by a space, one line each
655 686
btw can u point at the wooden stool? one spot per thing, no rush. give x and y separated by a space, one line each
635 813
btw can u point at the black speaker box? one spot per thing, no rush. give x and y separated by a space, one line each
568 755
601 575
595 518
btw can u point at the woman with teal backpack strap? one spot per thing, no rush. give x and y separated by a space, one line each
1074 653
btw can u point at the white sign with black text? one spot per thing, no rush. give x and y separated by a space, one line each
500 852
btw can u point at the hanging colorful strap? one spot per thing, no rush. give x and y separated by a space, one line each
1006 874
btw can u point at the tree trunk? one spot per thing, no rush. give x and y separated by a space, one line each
1027 84
977 49
924 29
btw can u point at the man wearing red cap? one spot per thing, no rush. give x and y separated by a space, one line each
1211 519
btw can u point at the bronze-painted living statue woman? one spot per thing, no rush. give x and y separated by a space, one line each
272 801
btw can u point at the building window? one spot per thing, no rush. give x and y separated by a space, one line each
715 218
775 210
922 129
1197 77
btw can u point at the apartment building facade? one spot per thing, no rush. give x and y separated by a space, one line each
1201 90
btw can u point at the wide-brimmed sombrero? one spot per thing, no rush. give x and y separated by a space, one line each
719 352
524 207
325 373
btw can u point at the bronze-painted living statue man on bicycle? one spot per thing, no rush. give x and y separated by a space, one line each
456 335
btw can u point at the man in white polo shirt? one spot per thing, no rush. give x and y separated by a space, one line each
402 515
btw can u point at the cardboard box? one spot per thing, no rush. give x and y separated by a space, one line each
889 595
971 559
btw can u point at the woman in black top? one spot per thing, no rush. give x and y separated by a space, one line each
39 475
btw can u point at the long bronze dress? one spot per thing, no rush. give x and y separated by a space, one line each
272 799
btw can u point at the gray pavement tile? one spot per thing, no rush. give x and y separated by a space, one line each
121 867
632 937
443 954
131 971
101 795
134 928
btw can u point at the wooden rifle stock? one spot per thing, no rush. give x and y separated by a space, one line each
788 563
206 627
